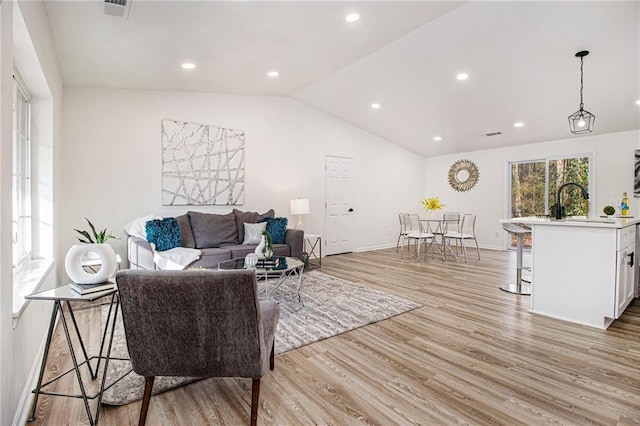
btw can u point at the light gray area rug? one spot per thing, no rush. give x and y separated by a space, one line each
331 306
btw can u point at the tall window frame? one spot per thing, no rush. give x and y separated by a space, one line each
21 174
542 203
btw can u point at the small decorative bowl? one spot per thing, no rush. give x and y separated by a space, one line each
250 261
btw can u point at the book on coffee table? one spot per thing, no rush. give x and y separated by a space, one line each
92 288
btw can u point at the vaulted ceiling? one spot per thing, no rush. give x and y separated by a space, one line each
404 56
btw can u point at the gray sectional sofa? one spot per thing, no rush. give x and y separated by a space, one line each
218 237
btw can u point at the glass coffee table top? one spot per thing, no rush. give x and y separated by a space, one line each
292 263
273 278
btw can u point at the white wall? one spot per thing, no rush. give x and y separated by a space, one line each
111 160
7 404
614 173
26 39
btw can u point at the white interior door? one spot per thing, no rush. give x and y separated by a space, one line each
339 205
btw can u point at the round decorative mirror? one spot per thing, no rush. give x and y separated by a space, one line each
463 175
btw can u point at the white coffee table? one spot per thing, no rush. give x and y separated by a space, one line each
273 278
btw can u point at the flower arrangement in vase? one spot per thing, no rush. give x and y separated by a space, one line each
431 204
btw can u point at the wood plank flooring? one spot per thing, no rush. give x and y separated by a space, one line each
471 355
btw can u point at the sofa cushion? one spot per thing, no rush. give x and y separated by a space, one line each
185 230
211 230
238 251
277 228
164 233
281 250
253 232
249 217
210 257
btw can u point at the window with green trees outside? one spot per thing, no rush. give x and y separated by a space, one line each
534 185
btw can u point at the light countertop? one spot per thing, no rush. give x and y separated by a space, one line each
615 222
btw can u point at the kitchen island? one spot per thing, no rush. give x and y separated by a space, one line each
583 269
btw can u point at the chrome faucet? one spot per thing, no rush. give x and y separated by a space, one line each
585 195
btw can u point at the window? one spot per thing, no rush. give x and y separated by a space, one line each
534 185
21 172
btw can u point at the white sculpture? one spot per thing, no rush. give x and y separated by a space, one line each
73 263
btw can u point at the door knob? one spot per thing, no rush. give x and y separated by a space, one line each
350 210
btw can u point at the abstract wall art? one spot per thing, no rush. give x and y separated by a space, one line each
636 182
201 164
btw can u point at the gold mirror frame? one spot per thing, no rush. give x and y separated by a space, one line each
457 181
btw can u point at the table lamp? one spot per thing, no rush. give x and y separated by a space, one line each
299 206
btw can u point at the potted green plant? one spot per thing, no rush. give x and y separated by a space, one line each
98 237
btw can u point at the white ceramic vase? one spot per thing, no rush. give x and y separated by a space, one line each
259 250
263 251
75 271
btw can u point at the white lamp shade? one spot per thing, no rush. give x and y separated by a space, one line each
299 206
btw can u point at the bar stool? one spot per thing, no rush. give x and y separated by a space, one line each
521 286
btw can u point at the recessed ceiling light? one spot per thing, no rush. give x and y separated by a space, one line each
462 76
188 66
437 138
638 102
273 74
352 17
375 106
518 124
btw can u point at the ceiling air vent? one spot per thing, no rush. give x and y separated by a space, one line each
119 8
493 134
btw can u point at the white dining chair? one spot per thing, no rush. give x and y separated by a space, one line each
450 223
403 229
467 232
411 224
418 237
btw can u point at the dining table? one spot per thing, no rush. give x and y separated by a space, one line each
438 227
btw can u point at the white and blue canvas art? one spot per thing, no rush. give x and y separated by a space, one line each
202 164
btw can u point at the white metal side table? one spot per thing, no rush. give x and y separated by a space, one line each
65 294
313 242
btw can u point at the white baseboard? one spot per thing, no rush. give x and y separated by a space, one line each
372 248
23 410
386 246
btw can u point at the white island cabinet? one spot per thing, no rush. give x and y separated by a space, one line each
582 269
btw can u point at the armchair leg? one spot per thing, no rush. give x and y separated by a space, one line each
148 386
255 397
272 357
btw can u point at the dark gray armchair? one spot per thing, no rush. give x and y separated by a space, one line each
197 323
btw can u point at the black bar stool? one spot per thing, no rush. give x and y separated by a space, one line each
521 286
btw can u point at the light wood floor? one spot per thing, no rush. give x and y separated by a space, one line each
471 355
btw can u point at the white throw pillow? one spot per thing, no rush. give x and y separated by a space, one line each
136 228
253 232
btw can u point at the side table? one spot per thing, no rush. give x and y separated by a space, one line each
65 294
313 242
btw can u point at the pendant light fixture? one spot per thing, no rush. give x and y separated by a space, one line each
582 120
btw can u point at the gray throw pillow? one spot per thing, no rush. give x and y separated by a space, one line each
249 217
212 230
253 232
185 230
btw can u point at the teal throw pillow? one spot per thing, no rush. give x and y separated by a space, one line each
164 233
277 228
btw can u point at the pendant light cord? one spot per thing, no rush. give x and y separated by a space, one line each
581 81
